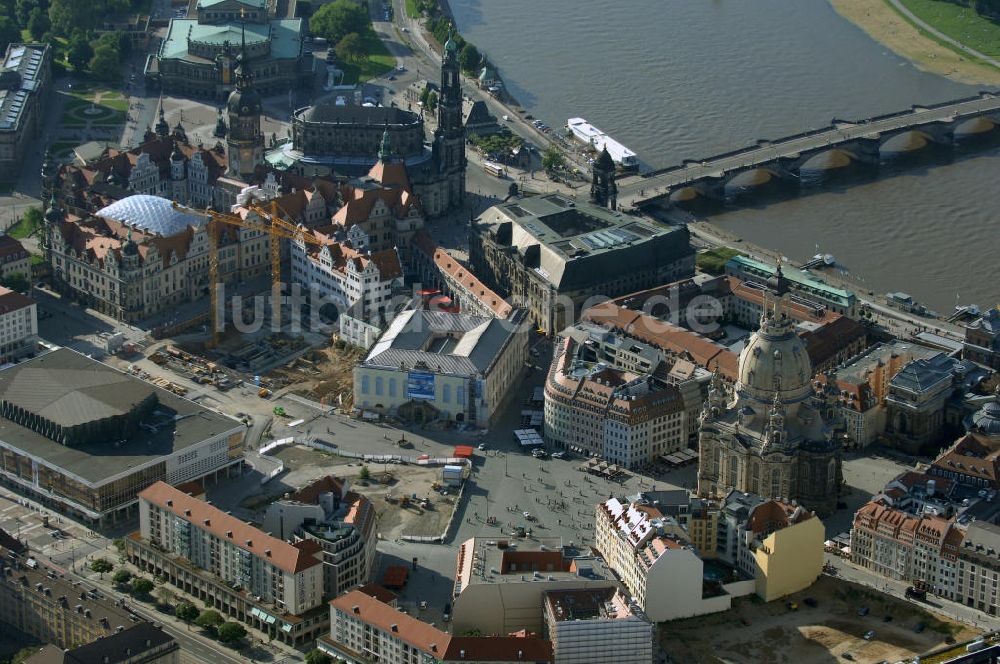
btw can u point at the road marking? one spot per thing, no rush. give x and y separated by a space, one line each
7 509
31 527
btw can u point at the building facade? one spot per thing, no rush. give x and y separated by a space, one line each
626 417
265 579
199 57
979 568
365 630
341 521
431 365
144 255
143 643
14 258
770 439
982 339
585 625
915 404
803 284
106 437
25 84
551 254
18 325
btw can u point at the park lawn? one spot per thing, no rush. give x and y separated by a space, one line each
411 9
714 260
960 23
22 229
378 61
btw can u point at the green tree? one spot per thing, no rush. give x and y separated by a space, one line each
209 620
231 632
105 63
142 586
432 101
351 48
79 51
339 18
317 657
9 32
101 566
122 576
38 23
424 94
552 159
68 16
187 612
16 281
469 58
119 542
365 474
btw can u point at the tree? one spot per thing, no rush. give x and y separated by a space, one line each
142 586
9 32
165 595
317 657
209 620
339 18
101 566
38 23
187 612
79 52
16 281
432 101
350 48
105 62
424 94
365 474
231 632
469 58
68 16
122 576
552 159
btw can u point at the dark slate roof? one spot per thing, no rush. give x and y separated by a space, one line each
179 423
326 110
923 374
121 647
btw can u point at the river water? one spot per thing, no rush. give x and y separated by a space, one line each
686 79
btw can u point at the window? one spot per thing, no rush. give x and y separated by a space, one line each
446 393
378 386
365 385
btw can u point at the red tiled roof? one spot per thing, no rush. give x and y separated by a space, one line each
291 558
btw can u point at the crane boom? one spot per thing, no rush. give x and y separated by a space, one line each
277 229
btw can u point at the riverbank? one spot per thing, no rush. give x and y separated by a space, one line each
887 27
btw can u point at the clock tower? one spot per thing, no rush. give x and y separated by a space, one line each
244 141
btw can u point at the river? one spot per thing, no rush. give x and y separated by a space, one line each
685 79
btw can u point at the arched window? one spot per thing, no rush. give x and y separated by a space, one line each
734 464
775 483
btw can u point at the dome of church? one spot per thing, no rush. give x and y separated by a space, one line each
245 102
775 361
986 420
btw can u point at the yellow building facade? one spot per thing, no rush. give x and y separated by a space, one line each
790 559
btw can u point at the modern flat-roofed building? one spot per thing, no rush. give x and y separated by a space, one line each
247 574
18 325
431 365
25 81
550 254
339 520
84 438
585 625
499 584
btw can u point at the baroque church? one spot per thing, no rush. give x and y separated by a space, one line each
768 437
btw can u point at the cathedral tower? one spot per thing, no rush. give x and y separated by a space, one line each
449 137
603 190
245 141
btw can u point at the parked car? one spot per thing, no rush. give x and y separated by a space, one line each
482 446
810 602
863 611
869 635
919 627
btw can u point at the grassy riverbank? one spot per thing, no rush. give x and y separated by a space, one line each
960 23
889 28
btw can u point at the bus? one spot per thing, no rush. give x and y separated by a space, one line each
494 169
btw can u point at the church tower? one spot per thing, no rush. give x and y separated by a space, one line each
50 173
603 190
245 141
449 137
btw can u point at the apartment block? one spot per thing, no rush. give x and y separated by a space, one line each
585 625
243 572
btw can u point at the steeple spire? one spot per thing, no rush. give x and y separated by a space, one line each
385 149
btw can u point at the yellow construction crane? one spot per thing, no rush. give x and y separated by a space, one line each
270 222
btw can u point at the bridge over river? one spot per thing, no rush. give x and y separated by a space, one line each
859 141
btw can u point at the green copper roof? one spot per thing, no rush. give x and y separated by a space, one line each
206 4
802 279
285 35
